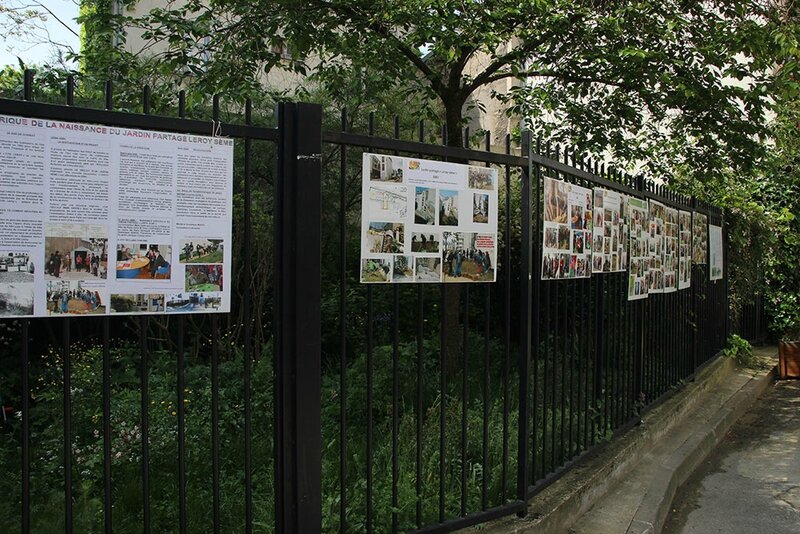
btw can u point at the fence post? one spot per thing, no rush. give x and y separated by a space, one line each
695 301
297 281
526 279
638 377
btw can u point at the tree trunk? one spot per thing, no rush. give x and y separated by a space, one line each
453 353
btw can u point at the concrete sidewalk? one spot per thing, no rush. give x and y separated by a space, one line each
751 482
629 486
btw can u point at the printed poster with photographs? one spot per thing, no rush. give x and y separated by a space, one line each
715 252
427 221
699 239
567 233
685 266
609 253
638 272
657 246
101 220
671 250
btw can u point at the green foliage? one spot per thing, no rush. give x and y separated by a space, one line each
740 350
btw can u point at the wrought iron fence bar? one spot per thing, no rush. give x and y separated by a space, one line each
424 149
145 429
133 120
507 326
66 359
343 397
107 498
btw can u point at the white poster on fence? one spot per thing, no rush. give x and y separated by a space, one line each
104 220
671 250
699 239
685 266
638 273
567 235
657 245
609 252
427 221
715 252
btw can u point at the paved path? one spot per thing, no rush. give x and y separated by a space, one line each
751 482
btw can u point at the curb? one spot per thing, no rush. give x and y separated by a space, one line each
673 472
560 505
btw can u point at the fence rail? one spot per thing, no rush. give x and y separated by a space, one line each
416 408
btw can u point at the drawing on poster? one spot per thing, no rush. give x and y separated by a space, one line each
424 242
715 254
98 211
699 239
77 297
685 251
424 206
639 264
567 241
388 202
449 233
137 303
75 251
201 250
143 261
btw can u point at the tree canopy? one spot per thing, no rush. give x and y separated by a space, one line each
677 84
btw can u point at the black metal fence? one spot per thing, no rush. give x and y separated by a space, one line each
328 405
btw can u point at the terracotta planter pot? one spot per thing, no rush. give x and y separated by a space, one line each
789 359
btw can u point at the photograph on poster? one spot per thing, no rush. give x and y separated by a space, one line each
424 206
201 250
386 237
555 201
143 261
137 303
388 202
16 283
480 208
658 215
192 302
468 255
402 268
699 239
386 168
376 270
448 208
670 256
481 178
75 252
428 269
74 297
204 278
424 242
